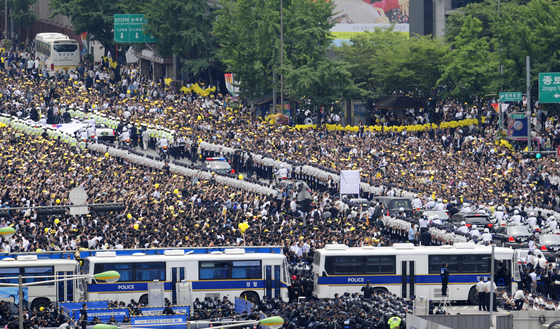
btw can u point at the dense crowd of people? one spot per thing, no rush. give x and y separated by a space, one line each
447 168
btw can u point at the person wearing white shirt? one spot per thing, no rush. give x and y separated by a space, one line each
474 232
553 224
463 229
533 276
519 298
530 259
481 290
532 221
491 287
487 236
532 245
466 208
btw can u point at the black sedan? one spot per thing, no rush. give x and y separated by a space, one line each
511 236
549 244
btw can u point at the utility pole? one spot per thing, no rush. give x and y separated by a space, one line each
528 59
6 19
282 56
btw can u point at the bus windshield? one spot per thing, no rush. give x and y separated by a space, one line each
65 48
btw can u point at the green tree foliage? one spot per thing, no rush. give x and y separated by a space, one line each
531 30
471 69
92 16
385 62
248 32
21 12
183 28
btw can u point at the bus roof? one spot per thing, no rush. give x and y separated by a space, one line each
32 261
71 254
173 255
409 249
51 36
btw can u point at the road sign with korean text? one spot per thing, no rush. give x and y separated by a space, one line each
129 28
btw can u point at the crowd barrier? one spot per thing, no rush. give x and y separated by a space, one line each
242 305
69 307
176 321
104 314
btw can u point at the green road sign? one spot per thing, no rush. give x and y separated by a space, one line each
517 115
129 28
549 87
511 97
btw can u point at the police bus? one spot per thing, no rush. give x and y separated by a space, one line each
57 52
231 272
407 270
34 270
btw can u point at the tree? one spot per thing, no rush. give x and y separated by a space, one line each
385 62
248 32
22 14
367 53
532 30
183 28
472 69
94 17
321 83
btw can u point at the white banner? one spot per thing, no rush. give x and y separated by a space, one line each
349 182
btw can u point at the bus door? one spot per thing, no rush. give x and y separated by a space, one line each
177 275
65 289
408 278
272 281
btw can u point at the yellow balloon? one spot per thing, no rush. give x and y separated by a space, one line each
240 177
41 308
129 216
46 229
56 221
107 155
175 191
156 186
136 226
199 117
38 250
57 200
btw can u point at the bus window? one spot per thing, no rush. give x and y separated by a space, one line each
9 272
150 271
246 270
475 264
380 265
125 270
65 48
213 271
435 263
37 271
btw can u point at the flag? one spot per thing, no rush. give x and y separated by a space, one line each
495 107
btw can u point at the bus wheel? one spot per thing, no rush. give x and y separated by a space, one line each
40 302
473 296
143 300
250 296
379 290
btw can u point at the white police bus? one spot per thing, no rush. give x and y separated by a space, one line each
231 273
40 270
406 270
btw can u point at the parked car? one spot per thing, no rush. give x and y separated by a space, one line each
393 204
549 244
481 221
511 236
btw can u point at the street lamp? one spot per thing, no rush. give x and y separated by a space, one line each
109 276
